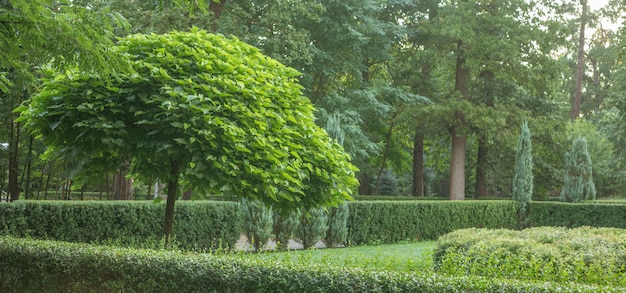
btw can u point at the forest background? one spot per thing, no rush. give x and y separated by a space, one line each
429 94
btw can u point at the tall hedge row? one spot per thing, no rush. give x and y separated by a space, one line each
47 266
198 225
573 215
392 221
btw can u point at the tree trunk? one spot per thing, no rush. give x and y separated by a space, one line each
187 194
172 192
14 188
28 165
581 59
122 187
385 154
481 168
216 9
418 164
459 140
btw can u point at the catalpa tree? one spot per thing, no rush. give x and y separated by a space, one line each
202 109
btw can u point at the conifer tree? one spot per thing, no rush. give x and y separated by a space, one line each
523 178
285 226
337 233
313 226
257 222
578 182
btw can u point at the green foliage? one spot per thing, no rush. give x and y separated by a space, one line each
285 226
388 183
65 267
60 32
337 232
523 179
578 182
392 221
607 175
313 227
595 214
212 108
257 222
581 255
200 225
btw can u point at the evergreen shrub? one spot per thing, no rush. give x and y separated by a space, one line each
313 227
285 226
69 267
258 221
582 255
197 225
337 232
562 214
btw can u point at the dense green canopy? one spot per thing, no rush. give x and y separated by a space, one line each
213 109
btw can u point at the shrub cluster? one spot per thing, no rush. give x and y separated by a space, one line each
67 267
392 221
197 225
583 255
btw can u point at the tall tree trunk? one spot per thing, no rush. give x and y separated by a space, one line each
48 177
172 192
481 168
418 164
385 154
459 139
28 165
14 188
188 194
216 9
122 186
581 59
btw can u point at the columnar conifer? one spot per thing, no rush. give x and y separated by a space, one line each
578 181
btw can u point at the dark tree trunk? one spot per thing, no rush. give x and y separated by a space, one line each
216 9
187 194
385 154
122 187
580 65
459 139
418 164
14 188
172 193
27 190
481 168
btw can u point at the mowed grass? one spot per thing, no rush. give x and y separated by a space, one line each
407 257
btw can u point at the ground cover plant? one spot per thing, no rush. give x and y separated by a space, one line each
583 255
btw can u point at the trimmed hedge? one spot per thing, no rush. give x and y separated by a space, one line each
392 221
197 225
583 255
558 214
46 266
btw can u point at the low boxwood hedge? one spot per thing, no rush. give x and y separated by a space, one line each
583 255
47 266
560 214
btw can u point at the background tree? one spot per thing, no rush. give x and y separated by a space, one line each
214 109
285 226
578 183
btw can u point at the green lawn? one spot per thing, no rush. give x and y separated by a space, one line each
394 257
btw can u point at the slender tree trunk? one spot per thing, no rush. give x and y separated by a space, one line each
459 139
172 193
150 186
385 154
187 194
122 187
14 188
418 164
481 168
48 177
28 165
581 59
